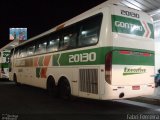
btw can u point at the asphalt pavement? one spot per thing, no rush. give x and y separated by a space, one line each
30 103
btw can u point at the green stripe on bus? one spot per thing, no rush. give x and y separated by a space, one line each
82 57
38 70
152 30
40 61
96 56
55 60
133 59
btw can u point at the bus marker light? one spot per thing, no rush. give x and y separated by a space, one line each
126 52
146 54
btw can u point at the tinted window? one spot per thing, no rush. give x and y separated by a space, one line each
69 38
89 31
16 53
22 52
41 47
53 43
81 34
30 50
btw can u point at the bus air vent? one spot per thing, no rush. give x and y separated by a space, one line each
89 80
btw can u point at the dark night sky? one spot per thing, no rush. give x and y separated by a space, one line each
38 15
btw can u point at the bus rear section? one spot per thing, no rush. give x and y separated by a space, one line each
129 73
129 66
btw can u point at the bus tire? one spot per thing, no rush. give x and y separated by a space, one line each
51 87
64 89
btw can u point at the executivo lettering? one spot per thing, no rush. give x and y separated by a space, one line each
131 71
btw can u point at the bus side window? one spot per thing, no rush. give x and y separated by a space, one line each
30 50
69 39
22 52
16 53
37 48
53 44
89 31
40 47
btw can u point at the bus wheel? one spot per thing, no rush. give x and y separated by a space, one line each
64 89
51 87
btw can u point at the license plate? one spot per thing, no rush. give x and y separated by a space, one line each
135 87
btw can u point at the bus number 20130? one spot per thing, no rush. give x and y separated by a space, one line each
84 57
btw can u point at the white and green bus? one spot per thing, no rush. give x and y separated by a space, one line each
104 53
4 64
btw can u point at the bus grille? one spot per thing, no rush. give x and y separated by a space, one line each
89 80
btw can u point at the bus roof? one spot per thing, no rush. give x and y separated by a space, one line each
74 19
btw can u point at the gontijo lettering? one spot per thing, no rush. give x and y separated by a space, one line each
128 25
